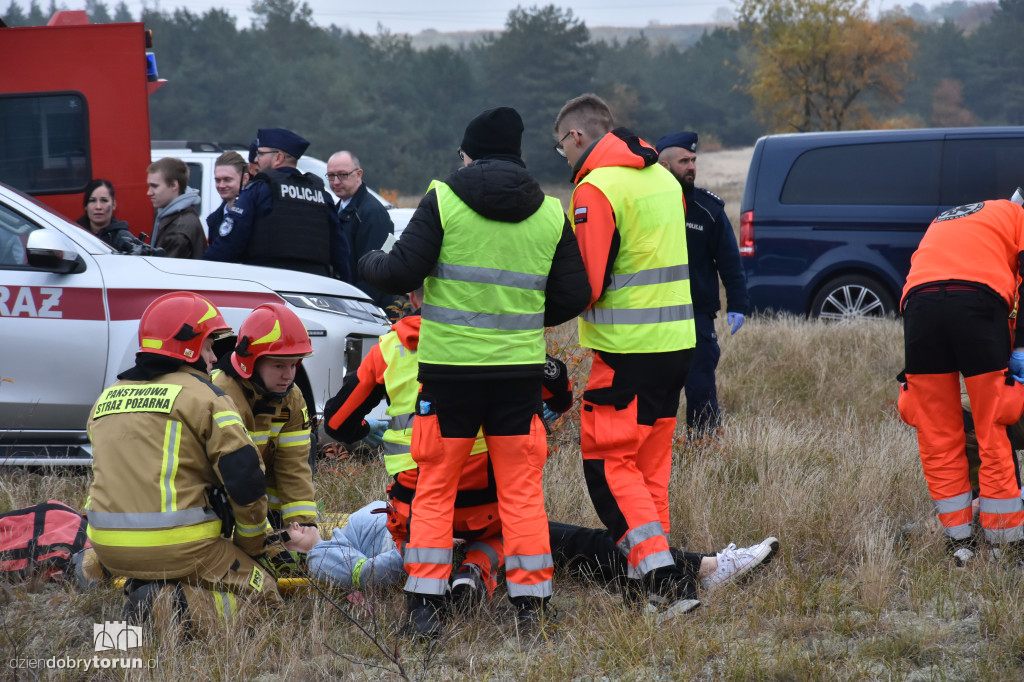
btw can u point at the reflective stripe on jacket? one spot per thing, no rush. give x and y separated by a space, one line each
484 300
280 430
402 389
158 446
646 308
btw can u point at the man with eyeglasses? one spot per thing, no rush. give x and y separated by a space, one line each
498 262
283 218
364 220
628 216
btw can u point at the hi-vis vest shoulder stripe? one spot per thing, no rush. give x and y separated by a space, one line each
484 301
402 387
647 306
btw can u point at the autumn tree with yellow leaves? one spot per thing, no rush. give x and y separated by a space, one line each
819 61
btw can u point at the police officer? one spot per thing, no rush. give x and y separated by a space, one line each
712 252
284 218
168 446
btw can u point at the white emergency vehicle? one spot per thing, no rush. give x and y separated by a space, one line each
69 314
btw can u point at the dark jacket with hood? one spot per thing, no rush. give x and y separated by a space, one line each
498 188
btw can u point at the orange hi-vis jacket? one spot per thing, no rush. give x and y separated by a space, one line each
978 244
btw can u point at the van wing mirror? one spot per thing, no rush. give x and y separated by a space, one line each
49 250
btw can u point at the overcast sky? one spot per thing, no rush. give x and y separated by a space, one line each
413 16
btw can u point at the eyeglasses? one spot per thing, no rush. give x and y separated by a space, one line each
260 153
559 148
342 176
462 154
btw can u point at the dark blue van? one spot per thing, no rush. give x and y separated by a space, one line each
828 221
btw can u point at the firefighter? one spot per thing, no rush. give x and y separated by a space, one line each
627 211
174 470
498 262
259 376
959 307
389 371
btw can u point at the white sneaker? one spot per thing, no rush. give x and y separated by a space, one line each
735 562
964 556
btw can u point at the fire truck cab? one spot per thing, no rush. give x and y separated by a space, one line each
74 105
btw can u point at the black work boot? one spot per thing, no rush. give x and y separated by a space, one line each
1010 554
138 599
670 593
424 614
963 551
467 589
532 614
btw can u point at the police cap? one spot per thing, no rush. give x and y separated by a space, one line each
684 139
252 150
285 140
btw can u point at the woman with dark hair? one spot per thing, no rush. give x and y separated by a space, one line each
99 203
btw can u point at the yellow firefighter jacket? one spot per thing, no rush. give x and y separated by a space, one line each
280 431
159 446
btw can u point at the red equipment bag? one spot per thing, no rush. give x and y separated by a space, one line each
40 539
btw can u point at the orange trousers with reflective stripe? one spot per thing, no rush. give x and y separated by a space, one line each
627 425
479 526
447 419
952 330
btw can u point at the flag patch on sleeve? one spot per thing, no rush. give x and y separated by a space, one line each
580 215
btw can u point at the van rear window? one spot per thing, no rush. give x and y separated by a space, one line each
887 174
980 169
44 142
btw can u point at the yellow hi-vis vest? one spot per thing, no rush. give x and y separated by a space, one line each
483 304
403 388
647 306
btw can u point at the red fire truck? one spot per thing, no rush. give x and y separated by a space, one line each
74 105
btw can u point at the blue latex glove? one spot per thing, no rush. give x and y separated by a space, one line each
1017 365
735 321
549 414
375 438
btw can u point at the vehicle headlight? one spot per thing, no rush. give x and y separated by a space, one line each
362 310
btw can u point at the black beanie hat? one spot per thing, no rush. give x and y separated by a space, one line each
494 132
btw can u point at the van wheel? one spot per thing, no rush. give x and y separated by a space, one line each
852 297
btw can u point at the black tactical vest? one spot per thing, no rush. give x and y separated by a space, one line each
296 233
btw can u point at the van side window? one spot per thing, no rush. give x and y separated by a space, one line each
889 174
979 169
44 142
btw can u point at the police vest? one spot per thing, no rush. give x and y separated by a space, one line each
484 300
646 308
298 227
403 389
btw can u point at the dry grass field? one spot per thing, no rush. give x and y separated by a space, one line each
811 452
